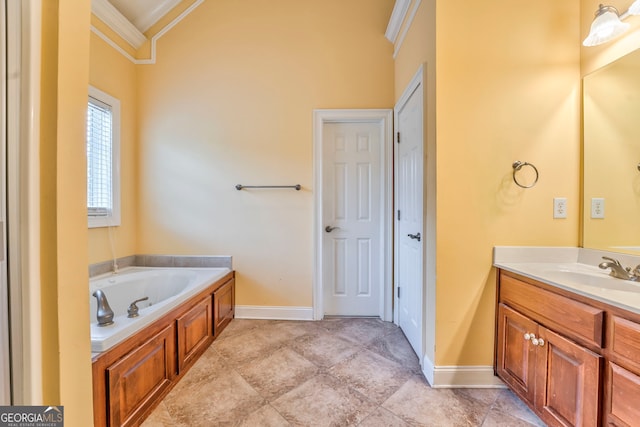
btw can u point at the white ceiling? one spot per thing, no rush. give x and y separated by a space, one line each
144 13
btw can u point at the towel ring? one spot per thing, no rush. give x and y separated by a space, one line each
517 165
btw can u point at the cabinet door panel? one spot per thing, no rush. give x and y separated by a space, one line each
141 377
195 332
224 303
623 389
568 382
516 356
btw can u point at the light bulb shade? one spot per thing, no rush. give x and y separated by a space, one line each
605 27
634 9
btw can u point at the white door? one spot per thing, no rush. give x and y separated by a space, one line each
409 220
351 211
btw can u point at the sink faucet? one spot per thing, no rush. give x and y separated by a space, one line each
618 271
104 314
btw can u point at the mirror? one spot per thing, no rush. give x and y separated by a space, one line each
611 126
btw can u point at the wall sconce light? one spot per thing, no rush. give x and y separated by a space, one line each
607 24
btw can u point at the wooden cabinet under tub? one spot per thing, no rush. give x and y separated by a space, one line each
131 378
574 360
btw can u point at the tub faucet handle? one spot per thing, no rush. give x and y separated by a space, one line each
132 311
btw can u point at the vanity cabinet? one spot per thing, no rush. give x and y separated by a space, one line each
559 378
547 352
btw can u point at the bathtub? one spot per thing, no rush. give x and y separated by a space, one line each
165 287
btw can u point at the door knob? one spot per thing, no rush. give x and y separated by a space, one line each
329 228
415 236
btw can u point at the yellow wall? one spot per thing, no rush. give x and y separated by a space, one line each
229 102
507 88
65 307
112 73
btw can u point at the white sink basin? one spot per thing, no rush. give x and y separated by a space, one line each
594 279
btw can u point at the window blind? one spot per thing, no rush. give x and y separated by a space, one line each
99 159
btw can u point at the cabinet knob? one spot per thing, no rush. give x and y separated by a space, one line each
540 342
535 341
529 336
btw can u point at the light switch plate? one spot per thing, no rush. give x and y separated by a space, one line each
559 207
597 207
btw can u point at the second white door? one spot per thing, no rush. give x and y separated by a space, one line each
352 213
409 219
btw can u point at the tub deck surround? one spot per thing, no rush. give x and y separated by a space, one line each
132 375
574 270
165 288
189 261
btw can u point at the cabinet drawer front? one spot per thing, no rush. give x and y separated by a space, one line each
623 388
575 319
625 338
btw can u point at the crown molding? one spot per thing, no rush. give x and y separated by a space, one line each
154 39
117 22
147 21
397 17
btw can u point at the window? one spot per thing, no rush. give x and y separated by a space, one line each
103 159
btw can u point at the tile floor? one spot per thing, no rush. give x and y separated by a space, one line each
336 372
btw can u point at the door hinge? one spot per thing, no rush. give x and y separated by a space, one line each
398 214
398 291
398 137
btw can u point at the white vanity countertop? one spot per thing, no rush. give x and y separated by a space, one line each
573 269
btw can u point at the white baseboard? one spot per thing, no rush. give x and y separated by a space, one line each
460 376
273 313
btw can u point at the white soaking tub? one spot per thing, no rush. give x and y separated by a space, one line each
166 289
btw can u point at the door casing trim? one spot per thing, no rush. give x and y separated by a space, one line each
383 117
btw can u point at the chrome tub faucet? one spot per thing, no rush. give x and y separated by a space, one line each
104 313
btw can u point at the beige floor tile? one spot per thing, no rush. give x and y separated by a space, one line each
323 401
246 347
160 417
278 373
497 419
334 372
371 374
507 403
220 401
486 396
360 331
420 405
382 418
394 346
266 416
323 348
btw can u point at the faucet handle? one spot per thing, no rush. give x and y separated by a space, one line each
613 260
132 311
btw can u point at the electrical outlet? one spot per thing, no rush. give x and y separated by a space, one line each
560 207
597 207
